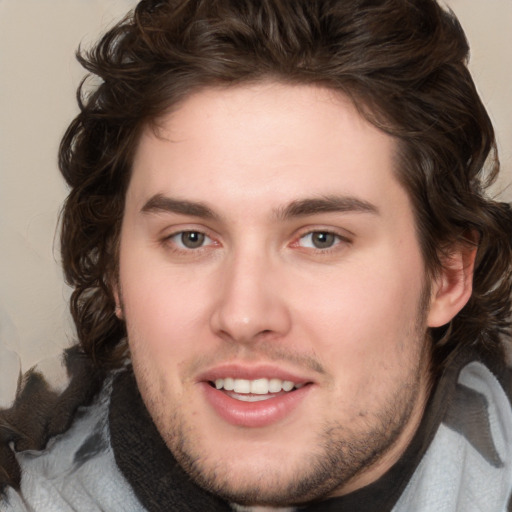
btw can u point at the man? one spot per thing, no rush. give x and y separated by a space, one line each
288 282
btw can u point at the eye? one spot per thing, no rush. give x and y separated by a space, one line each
319 240
190 239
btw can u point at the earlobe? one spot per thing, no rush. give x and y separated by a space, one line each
453 286
118 310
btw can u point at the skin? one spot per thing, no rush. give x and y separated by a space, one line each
348 317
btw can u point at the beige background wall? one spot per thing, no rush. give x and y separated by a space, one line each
38 78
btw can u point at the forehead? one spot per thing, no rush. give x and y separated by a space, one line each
264 145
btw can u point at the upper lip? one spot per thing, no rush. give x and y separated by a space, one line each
251 372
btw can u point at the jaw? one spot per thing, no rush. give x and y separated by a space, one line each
300 457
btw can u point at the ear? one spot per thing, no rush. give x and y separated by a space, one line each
452 288
117 297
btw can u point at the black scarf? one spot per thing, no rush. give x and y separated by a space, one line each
161 484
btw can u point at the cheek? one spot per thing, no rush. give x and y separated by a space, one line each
364 300
364 317
162 308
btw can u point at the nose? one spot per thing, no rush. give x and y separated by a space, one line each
251 302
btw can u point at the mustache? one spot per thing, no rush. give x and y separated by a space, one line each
257 353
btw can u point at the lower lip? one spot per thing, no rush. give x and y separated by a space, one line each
254 414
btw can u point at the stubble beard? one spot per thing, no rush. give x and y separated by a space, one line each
340 454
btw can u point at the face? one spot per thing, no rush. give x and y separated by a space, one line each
274 293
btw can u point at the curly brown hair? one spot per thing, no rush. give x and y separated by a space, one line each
403 64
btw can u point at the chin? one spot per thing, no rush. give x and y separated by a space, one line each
281 477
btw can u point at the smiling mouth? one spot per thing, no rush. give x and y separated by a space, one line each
255 390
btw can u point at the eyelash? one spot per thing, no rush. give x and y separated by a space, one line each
339 240
168 241
175 246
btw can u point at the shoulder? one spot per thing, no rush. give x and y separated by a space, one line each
69 467
468 465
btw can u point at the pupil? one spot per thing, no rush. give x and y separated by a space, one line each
192 239
323 240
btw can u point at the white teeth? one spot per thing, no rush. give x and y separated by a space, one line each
257 386
287 385
251 398
275 385
242 386
229 384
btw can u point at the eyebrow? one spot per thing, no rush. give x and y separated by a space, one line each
299 208
326 204
160 203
